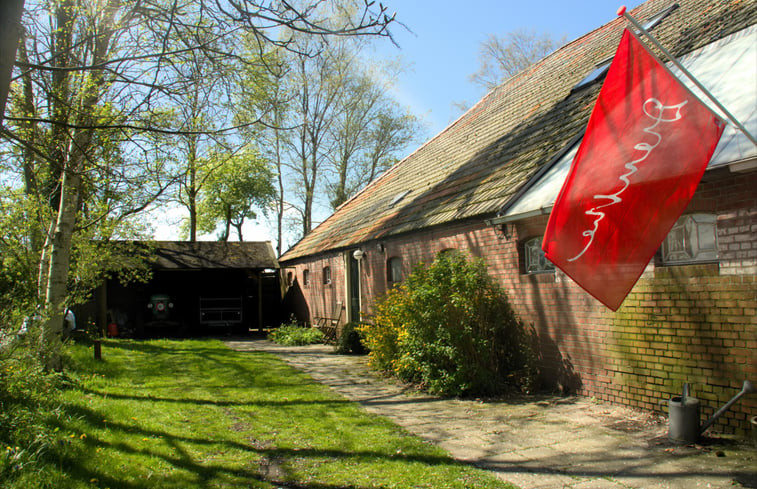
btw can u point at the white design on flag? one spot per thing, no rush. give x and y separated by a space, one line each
631 165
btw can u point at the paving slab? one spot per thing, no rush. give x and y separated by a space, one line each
534 441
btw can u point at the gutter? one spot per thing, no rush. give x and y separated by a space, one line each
517 217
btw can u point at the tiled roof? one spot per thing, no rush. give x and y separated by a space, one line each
474 166
204 255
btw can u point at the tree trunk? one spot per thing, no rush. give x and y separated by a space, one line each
280 203
227 230
10 28
192 189
60 258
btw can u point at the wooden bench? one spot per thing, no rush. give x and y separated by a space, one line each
329 325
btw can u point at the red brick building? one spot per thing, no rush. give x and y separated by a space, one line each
486 184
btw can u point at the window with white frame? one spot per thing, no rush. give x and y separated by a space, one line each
535 261
394 270
692 239
326 275
306 277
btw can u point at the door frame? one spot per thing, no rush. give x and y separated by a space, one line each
353 285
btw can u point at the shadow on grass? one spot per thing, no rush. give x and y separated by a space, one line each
219 402
235 451
190 471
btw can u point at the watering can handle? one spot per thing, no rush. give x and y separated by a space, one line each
659 405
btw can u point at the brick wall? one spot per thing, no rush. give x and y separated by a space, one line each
691 323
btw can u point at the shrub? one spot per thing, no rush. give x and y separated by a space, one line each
28 401
295 335
451 329
349 340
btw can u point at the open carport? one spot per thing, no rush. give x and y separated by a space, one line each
196 289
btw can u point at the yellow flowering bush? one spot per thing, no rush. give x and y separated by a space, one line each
451 329
384 334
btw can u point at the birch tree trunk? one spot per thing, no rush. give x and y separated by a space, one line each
72 150
60 258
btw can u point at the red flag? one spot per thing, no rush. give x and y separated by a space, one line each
646 146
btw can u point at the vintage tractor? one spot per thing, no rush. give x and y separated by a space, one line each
160 306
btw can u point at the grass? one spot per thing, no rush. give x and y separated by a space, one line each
194 414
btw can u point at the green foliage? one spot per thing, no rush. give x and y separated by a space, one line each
295 335
350 340
28 400
18 262
234 186
96 259
451 329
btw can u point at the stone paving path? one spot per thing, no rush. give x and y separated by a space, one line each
545 442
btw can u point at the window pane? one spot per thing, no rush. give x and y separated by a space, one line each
693 238
535 259
394 270
706 237
326 275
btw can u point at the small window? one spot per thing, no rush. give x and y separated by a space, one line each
656 19
394 270
598 73
397 198
306 277
693 238
290 279
326 275
536 262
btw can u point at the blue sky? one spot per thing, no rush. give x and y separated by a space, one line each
443 47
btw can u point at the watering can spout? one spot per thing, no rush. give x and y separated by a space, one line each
747 388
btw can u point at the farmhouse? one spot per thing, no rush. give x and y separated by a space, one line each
485 185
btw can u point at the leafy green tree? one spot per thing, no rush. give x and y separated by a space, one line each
234 190
262 101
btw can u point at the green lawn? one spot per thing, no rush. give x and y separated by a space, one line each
194 414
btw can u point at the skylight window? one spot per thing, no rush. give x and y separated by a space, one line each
655 20
601 68
599 72
399 197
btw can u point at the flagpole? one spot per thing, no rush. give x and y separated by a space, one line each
739 125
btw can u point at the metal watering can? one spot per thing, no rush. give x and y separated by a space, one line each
683 414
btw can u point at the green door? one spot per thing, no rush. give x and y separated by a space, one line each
354 288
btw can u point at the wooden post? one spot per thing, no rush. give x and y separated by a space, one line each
102 307
98 350
260 300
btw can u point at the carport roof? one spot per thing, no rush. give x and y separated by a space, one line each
205 255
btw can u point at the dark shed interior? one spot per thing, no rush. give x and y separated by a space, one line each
197 289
